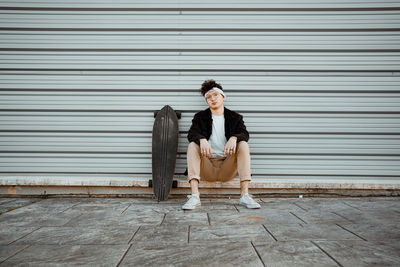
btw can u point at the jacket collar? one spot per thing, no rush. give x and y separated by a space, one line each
208 112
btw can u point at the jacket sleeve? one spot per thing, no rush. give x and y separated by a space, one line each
240 132
194 134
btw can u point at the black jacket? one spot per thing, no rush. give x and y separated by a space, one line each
202 126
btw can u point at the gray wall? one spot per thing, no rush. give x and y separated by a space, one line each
317 83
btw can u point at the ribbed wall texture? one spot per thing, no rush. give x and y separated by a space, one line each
317 82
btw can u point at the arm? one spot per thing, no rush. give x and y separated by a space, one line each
240 131
194 133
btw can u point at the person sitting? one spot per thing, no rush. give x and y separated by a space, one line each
218 148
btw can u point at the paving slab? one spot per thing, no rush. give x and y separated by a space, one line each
331 210
6 200
111 200
275 206
383 214
274 215
7 251
11 204
212 254
224 217
283 203
9 234
370 217
233 233
115 218
159 208
365 204
207 206
315 231
35 219
43 207
293 253
68 255
153 201
249 216
321 216
89 207
86 235
207 203
327 203
362 253
164 234
186 218
386 230
54 202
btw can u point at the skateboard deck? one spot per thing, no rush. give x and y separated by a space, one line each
164 150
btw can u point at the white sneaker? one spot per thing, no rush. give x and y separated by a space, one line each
249 202
192 203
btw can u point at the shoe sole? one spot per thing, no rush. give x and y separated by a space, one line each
192 208
249 207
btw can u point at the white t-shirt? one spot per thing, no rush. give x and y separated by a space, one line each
217 139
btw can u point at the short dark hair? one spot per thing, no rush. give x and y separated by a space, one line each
208 85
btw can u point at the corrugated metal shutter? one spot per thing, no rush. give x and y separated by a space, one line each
317 83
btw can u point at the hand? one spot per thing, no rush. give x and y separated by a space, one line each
230 146
205 148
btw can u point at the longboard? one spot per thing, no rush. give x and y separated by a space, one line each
164 150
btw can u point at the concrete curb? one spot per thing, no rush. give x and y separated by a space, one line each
129 186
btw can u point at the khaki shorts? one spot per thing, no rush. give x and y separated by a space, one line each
220 168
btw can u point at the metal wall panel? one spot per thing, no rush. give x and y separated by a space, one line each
317 82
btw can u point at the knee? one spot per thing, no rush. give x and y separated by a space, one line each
243 147
193 147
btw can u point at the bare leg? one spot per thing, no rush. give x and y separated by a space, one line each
244 187
194 185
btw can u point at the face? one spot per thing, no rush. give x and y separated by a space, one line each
214 99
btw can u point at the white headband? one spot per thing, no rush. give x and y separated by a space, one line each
216 89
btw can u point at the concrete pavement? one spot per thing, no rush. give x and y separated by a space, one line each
143 232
